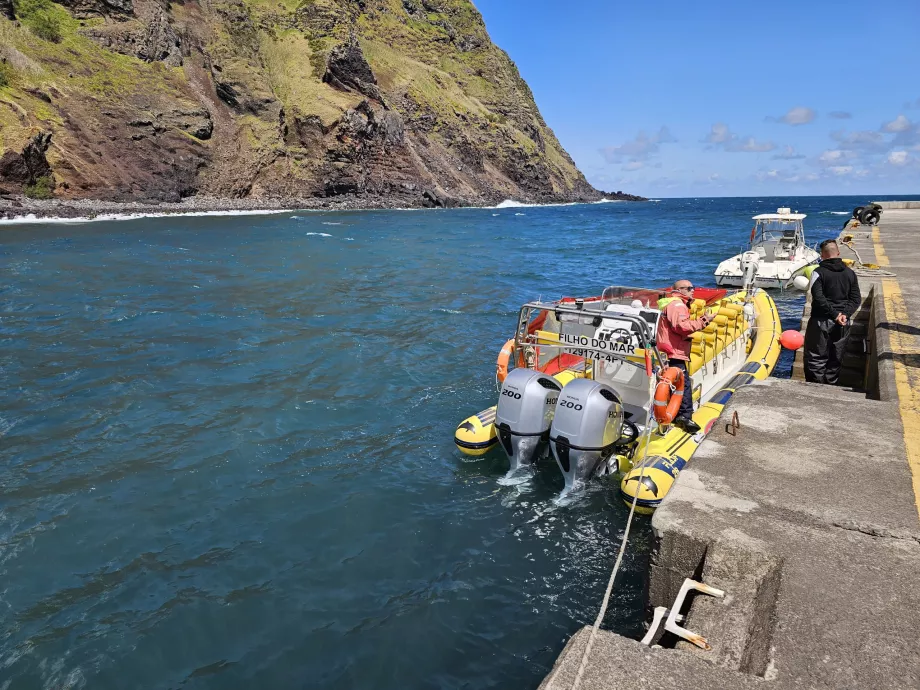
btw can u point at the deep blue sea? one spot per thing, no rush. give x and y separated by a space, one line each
227 444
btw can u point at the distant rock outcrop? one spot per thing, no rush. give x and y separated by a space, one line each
347 69
27 166
150 38
405 102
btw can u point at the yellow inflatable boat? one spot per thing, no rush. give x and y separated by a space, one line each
580 376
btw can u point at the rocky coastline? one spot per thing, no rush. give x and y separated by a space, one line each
21 208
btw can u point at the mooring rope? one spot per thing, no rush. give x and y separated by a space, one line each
616 566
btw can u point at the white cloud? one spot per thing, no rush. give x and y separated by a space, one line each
863 140
833 156
750 144
641 148
898 158
788 154
799 115
899 124
840 115
714 177
841 169
807 177
634 165
720 136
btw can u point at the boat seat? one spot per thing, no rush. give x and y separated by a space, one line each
695 363
767 251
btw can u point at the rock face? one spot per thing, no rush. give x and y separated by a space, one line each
151 38
27 166
347 69
394 99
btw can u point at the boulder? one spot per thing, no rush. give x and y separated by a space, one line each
27 166
196 122
347 69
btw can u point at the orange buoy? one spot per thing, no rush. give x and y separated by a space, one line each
501 366
668 394
791 340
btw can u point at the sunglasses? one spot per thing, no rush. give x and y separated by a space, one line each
687 289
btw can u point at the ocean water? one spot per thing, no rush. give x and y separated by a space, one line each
227 444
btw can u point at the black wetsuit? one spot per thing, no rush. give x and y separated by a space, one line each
834 291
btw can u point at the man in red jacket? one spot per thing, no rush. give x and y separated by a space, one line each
674 331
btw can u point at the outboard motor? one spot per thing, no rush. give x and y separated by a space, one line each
587 425
524 414
750 261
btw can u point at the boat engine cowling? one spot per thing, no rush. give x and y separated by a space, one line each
588 423
524 415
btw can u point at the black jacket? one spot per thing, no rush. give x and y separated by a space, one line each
835 290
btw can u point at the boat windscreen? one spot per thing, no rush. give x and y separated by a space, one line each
627 296
768 230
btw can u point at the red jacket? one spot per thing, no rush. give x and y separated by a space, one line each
676 327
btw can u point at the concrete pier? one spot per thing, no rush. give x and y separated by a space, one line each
807 514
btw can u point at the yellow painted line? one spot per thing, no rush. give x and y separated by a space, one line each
907 379
881 258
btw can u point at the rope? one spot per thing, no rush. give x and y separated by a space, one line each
874 273
616 566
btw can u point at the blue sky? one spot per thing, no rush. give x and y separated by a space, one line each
682 98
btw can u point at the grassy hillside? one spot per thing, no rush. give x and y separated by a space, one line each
270 98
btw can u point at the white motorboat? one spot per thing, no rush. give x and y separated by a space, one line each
777 249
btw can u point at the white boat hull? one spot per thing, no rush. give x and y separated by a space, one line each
776 275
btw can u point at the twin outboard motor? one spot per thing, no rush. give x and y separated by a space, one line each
586 427
524 414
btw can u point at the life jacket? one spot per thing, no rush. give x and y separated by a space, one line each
665 301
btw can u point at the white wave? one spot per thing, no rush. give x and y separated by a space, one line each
496 214
349 239
517 477
318 234
520 214
837 213
328 223
608 201
31 218
511 203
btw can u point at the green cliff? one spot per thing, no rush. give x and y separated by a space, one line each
156 100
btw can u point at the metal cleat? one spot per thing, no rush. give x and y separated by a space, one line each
673 618
660 613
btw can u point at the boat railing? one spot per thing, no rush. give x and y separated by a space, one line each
583 332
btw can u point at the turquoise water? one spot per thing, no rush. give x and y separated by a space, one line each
227 444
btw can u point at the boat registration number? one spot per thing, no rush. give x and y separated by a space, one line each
595 348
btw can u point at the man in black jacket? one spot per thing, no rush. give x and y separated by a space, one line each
834 299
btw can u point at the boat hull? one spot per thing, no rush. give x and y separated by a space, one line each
770 276
650 479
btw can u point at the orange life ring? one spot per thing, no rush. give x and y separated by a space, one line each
501 366
668 394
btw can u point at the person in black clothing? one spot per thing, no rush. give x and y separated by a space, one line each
834 299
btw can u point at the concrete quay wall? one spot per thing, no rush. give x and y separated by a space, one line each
898 205
807 514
